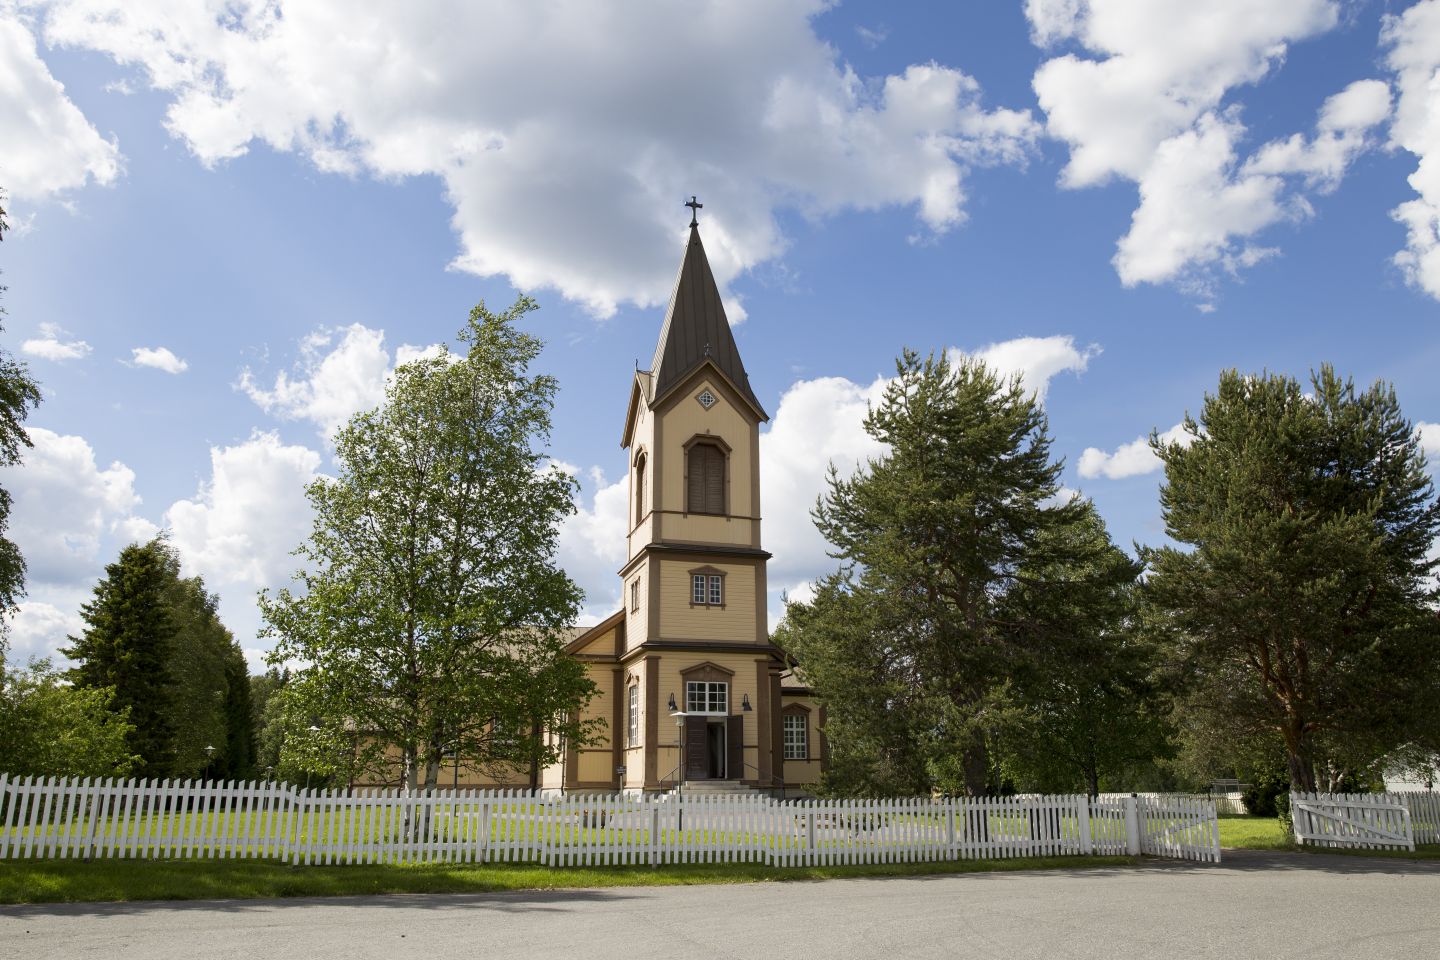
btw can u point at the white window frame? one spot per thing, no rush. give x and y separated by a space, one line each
796 747
707 590
632 726
707 698
635 595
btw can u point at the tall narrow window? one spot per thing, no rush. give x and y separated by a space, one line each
633 717
797 737
705 479
640 489
634 594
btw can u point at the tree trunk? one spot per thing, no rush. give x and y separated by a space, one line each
976 763
535 757
1092 783
1300 757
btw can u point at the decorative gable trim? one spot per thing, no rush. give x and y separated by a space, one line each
707 671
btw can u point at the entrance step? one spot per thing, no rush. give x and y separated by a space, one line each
718 788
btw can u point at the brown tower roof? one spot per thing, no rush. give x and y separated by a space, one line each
696 329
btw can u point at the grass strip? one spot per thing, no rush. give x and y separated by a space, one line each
1266 833
75 881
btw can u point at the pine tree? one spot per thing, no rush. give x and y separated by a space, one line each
909 644
1305 609
126 647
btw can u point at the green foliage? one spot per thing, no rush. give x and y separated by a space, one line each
959 571
209 689
156 639
1303 613
126 648
431 611
1089 715
19 394
49 728
265 714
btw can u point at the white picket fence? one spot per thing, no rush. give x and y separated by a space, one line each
1359 820
1424 807
188 819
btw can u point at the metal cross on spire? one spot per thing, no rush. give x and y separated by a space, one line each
695 207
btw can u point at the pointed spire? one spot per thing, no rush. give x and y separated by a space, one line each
696 330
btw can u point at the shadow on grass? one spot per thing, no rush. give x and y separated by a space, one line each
111 887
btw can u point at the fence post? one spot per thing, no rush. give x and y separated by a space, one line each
1082 824
1132 825
654 833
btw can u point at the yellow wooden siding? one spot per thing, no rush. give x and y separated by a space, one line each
685 419
637 621
734 622
699 528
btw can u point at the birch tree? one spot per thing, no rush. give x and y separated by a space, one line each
430 613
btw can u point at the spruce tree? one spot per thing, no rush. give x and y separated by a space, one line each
126 647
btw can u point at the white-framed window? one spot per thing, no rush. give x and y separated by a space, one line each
707 696
633 717
707 399
707 589
634 594
797 737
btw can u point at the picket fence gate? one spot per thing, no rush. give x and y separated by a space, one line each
130 819
1361 820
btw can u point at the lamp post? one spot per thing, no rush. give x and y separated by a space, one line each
679 716
209 756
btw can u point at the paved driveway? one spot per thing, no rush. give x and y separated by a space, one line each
1253 906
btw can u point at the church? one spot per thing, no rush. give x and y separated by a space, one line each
691 689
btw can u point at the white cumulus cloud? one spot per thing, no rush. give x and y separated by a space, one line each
1414 57
1036 359
49 145
1131 459
242 523
340 372
64 504
1429 436
1147 103
530 122
592 540
50 346
40 629
161 358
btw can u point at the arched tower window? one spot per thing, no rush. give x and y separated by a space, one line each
705 465
639 489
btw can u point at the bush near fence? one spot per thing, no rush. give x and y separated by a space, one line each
173 819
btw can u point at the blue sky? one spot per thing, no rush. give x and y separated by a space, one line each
1115 198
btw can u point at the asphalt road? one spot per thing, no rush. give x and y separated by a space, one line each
1253 906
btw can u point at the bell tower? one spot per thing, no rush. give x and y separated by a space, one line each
693 584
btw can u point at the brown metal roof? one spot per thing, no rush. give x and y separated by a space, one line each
696 330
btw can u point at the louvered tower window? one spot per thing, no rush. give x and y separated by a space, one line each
705 473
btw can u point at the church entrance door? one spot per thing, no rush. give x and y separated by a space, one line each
697 748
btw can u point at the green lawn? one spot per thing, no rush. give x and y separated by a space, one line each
75 881
1266 833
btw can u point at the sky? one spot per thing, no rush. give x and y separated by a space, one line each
233 219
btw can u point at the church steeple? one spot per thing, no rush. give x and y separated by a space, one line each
696 329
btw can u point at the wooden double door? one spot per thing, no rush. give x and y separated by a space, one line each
715 748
